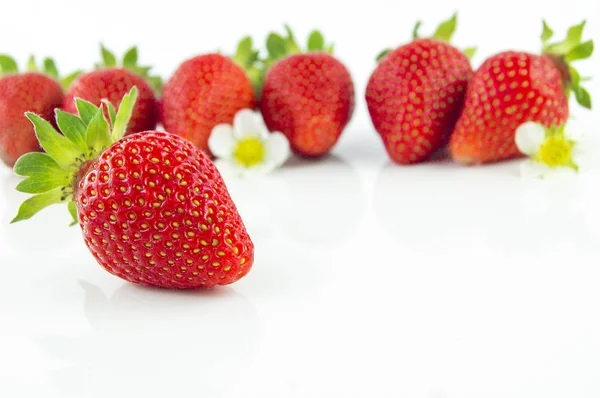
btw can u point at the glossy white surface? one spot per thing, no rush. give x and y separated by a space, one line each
370 280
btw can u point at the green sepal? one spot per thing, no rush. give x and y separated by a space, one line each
124 114
247 57
72 207
547 33
98 136
470 52
446 29
112 113
42 171
66 81
36 203
7 65
72 127
50 68
63 151
86 110
130 61
582 51
32 64
316 42
582 96
382 54
108 58
415 31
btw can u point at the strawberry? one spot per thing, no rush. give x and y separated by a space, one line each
309 96
36 91
111 82
512 88
152 207
204 91
415 94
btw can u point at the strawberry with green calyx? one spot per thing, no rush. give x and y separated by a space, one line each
307 95
205 91
416 92
153 209
513 88
39 90
111 81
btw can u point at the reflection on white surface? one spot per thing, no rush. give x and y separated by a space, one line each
155 342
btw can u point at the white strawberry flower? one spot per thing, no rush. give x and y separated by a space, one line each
550 150
247 147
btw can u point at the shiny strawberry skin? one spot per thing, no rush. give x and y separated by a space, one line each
508 89
414 97
18 94
310 99
155 211
204 91
112 84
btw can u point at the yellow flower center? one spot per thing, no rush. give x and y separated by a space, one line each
556 151
249 151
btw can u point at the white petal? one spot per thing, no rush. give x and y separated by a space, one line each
248 123
277 148
221 141
529 137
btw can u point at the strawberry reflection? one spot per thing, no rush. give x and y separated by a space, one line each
440 206
151 342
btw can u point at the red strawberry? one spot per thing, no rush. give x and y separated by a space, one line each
204 91
32 91
512 88
416 93
309 97
112 83
152 207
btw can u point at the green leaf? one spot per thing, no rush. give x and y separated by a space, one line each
36 203
72 127
547 33
31 65
244 52
98 132
275 46
574 76
329 49
382 54
50 68
290 43
124 114
63 151
7 64
73 210
40 183
69 79
415 32
130 58
582 96
575 33
572 40
446 29
86 110
108 58
582 51
470 52
316 42
112 114
156 83
140 70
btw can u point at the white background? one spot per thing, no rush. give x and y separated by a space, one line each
431 281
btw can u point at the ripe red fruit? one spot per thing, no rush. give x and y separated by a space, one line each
112 83
416 93
37 91
512 88
308 97
152 207
204 91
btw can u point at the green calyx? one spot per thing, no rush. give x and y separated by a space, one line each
48 67
563 53
130 61
277 47
444 32
52 176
